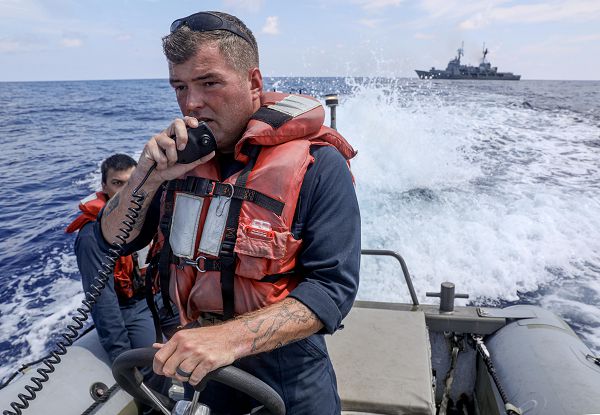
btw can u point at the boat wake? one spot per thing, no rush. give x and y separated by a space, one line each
498 198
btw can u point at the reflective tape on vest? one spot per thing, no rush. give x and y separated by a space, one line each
295 105
186 217
142 255
214 226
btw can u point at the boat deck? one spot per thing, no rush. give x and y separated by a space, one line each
382 362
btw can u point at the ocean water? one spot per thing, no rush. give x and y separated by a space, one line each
491 185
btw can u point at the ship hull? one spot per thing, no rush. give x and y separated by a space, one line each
501 76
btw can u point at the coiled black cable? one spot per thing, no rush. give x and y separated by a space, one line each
71 333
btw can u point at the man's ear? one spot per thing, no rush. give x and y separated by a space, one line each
104 188
256 83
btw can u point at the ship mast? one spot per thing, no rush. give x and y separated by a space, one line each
460 51
485 52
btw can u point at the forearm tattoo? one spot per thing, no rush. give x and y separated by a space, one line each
112 204
289 321
141 198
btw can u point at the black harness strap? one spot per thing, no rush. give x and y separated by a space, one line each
259 199
138 282
272 117
166 252
227 255
273 278
150 298
203 187
201 263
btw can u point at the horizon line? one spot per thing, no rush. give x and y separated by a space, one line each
297 76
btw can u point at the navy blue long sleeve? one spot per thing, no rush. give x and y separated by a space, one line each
328 220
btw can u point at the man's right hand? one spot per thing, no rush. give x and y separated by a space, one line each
162 150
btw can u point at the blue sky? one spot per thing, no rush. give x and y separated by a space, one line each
110 39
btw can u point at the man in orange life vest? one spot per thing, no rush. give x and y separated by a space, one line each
260 241
121 315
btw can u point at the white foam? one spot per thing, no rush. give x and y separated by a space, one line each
36 312
90 181
497 198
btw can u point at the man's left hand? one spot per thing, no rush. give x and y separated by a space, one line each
198 351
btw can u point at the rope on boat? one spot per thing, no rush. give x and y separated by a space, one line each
71 333
92 408
449 380
485 355
593 359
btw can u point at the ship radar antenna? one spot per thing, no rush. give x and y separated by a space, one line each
460 51
485 52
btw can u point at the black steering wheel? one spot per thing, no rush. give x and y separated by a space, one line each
126 373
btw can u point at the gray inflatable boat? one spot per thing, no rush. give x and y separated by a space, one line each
390 358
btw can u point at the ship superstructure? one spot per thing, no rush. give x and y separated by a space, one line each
455 70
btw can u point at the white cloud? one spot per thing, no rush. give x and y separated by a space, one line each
455 9
71 42
22 43
553 43
475 14
249 5
370 23
22 9
579 10
478 21
10 45
423 36
271 26
123 37
582 38
377 4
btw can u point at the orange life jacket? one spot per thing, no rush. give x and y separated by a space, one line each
253 239
126 285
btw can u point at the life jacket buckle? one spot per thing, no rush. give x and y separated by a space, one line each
232 190
195 263
210 188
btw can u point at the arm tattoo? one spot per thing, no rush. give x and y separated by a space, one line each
290 316
141 198
112 204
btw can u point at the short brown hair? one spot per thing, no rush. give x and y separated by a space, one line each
183 44
117 162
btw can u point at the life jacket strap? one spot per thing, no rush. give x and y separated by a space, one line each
166 253
150 299
227 254
200 186
271 116
138 280
203 264
273 278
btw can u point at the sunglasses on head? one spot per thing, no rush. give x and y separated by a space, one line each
207 22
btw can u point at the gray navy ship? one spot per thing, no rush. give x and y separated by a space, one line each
454 70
